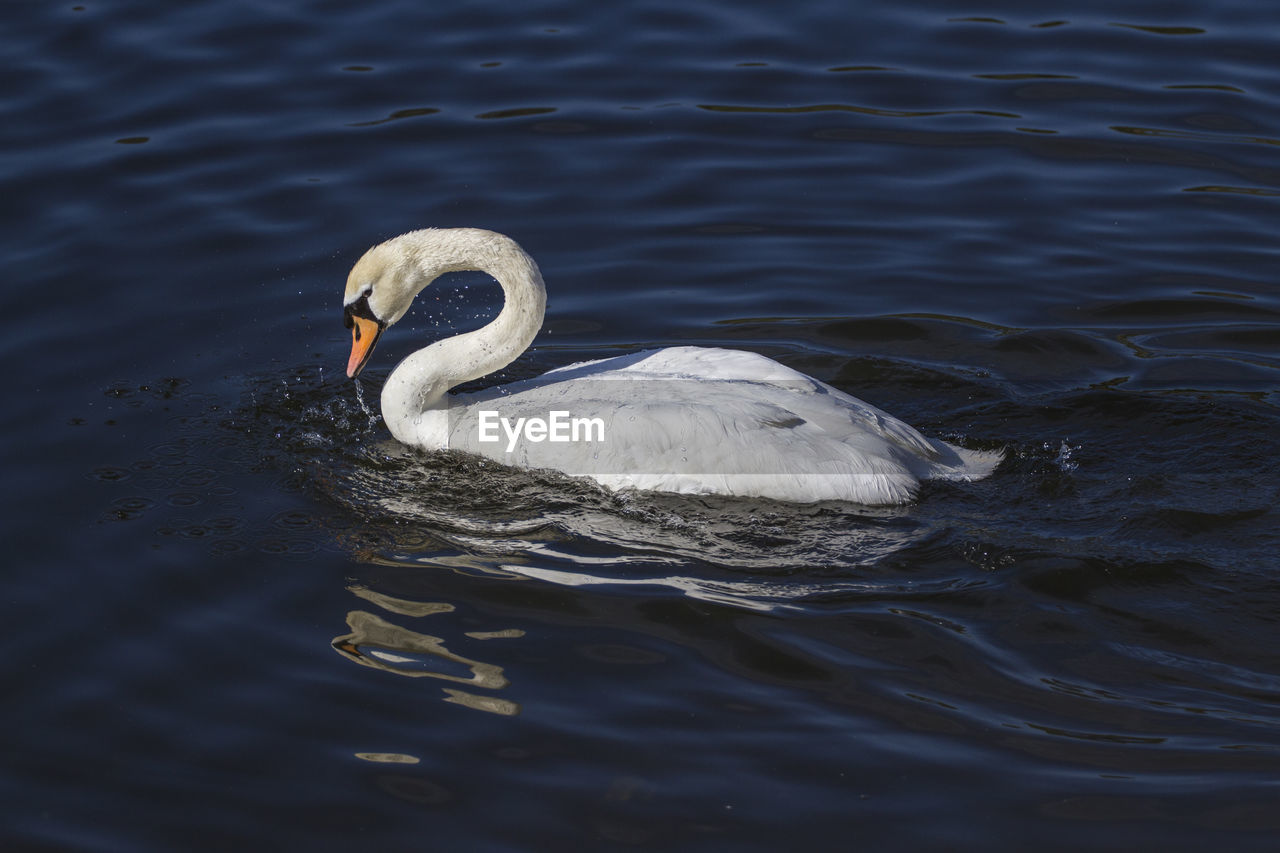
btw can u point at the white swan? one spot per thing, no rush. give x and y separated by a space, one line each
682 419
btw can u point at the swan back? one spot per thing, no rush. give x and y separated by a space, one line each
707 421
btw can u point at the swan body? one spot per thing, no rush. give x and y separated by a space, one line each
693 420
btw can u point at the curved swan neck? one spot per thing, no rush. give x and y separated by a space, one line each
422 379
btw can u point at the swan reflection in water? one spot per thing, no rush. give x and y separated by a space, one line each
456 512
573 539
375 642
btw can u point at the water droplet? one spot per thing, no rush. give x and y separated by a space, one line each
364 407
1063 459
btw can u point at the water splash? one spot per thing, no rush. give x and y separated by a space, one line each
364 407
1063 459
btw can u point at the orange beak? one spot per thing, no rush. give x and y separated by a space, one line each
364 334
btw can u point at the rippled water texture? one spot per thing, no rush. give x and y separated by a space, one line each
240 615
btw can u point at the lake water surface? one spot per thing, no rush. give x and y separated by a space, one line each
239 616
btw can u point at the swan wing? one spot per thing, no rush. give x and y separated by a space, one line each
701 421
806 397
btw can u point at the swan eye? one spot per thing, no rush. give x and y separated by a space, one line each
368 291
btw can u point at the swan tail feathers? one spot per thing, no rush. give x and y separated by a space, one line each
969 465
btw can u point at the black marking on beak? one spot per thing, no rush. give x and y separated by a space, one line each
360 308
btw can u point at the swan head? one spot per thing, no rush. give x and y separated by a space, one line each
380 289
383 283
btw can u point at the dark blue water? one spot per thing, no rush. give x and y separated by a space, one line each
237 615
